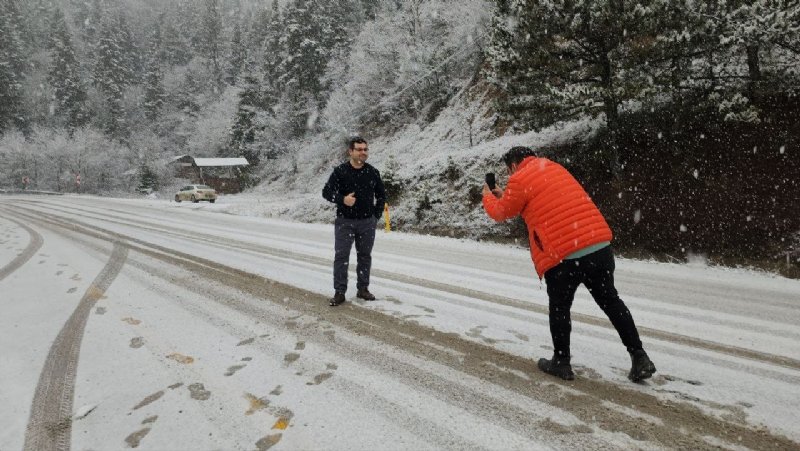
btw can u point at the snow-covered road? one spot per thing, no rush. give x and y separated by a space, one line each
151 324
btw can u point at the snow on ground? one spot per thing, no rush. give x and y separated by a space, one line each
721 338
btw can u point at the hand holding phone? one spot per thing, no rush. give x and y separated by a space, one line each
491 181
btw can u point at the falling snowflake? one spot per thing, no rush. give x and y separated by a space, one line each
637 216
683 228
312 120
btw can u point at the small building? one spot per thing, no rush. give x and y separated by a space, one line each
222 174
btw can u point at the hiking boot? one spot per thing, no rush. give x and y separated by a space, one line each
641 366
337 299
558 367
364 294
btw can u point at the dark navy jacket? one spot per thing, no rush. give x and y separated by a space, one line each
365 182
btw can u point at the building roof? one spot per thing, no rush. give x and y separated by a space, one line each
206 162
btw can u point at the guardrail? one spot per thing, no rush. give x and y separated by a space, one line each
28 191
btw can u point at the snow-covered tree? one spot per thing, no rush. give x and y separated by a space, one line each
236 57
569 58
130 51
243 131
301 68
88 18
12 68
260 24
188 22
404 65
272 58
556 59
154 95
176 45
211 38
69 95
111 76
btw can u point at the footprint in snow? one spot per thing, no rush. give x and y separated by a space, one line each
233 369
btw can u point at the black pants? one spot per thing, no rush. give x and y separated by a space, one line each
596 272
362 231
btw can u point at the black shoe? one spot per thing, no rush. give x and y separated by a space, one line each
337 299
558 367
364 294
641 366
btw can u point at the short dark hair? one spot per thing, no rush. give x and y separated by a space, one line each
351 143
516 154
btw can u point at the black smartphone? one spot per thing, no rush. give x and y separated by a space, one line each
490 180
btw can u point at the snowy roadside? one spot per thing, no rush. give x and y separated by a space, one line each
714 351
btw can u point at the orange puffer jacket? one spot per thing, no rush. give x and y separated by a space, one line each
561 217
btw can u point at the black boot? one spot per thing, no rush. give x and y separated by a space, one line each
558 367
641 366
337 299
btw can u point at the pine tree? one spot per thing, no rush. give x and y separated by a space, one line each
176 46
212 38
154 95
132 60
88 19
311 35
65 78
12 69
369 10
110 76
273 54
148 179
189 25
569 58
33 21
237 57
260 24
244 128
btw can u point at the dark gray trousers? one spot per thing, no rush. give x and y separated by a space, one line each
362 231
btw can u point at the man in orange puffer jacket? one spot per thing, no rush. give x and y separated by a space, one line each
570 245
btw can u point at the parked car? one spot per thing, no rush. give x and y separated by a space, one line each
196 193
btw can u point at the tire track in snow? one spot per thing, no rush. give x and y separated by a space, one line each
30 250
50 421
602 404
284 254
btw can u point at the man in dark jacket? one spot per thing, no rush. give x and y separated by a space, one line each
357 190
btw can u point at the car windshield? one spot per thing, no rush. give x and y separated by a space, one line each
203 187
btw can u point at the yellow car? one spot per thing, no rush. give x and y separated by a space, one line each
196 193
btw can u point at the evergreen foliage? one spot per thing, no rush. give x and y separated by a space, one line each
154 95
559 59
12 68
237 56
148 179
69 95
111 77
88 17
176 47
210 38
272 58
392 183
244 128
